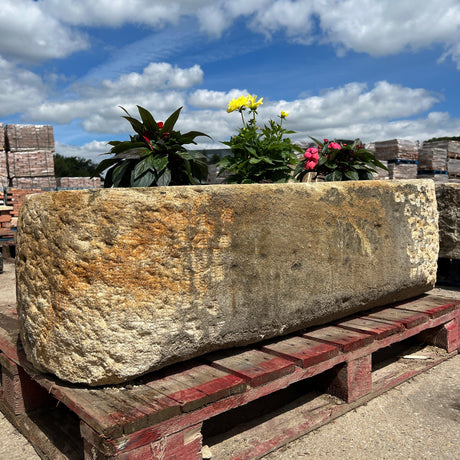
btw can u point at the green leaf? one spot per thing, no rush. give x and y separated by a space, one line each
165 178
119 173
108 178
255 161
146 180
136 124
317 141
133 153
141 168
189 138
147 119
334 176
159 163
171 121
104 164
352 175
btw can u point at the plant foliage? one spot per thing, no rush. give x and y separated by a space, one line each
337 161
258 154
154 156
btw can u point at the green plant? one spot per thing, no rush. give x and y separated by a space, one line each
338 161
154 156
258 154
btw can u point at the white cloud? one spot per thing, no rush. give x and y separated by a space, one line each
353 110
92 150
52 28
29 33
206 99
159 75
159 88
382 27
19 89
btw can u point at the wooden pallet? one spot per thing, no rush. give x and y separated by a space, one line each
166 413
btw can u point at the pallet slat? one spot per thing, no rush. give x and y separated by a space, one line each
345 339
253 366
378 328
408 318
302 351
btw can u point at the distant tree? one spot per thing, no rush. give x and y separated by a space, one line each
73 166
452 138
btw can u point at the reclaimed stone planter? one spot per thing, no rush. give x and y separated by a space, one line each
114 283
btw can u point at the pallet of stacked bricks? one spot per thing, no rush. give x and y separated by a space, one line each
432 163
400 156
75 183
29 153
3 164
6 231
451 150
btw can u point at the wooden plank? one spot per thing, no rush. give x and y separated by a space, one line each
194 385
253 366
345 339
408 318
138 407
378 328
216 384
434 306
188 398
302 351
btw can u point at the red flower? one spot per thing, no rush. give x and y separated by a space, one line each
160 124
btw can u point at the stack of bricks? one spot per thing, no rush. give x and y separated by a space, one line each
401 155
6 232
432 164
3 162
30 156
452 152
78 182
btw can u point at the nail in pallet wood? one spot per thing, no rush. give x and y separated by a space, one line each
161 415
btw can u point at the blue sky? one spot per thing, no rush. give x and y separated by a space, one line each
374 69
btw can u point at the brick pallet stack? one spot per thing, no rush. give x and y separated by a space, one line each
452 151
401 155
6 232
3 162
30 156
78 182
432 164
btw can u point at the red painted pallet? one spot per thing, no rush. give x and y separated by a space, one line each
161 415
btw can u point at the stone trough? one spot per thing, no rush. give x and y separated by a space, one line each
115 283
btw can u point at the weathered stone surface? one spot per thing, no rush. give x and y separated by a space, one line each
114 283
448 196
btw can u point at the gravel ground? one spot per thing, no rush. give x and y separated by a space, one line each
418 420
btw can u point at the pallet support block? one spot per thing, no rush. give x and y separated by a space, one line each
353 379
20 392
185 444
445 336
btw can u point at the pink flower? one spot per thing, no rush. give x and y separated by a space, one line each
310 165
334 145
310 152
315 156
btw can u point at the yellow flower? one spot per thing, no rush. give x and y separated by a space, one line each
284 114
253 103
237 104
